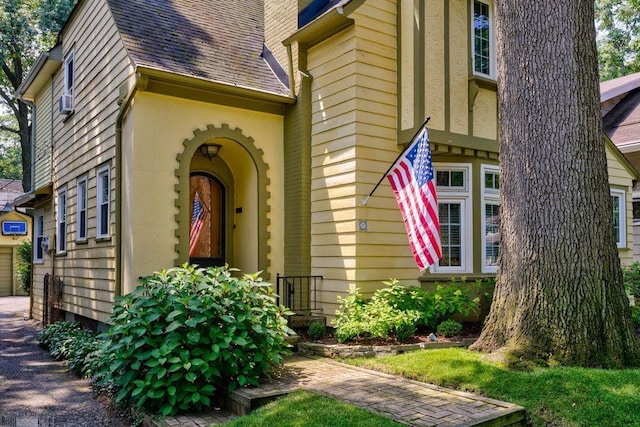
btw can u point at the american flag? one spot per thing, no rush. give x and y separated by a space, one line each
411 179
197 222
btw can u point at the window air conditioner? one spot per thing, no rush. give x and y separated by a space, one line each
66 104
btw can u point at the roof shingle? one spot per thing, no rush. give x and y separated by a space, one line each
215 40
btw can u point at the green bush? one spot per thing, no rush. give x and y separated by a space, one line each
317 330
189 332
55 334
631 279
80 348
400 310
24 265
449 328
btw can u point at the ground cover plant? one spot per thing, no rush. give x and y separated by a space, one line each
79 348
552 396
400 310
303 408
189 333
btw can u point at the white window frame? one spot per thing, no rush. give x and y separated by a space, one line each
82 194
621 238
69 73
490 196
492 40
61 220
100 173
462 196
38 236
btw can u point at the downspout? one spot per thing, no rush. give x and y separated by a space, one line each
55 221
124 101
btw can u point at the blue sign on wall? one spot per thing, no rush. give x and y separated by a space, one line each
14 228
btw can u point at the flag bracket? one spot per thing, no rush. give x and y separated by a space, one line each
365 200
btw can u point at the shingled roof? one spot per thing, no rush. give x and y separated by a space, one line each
216 40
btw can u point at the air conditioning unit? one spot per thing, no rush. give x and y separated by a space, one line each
66 104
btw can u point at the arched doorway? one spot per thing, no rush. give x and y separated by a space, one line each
207 226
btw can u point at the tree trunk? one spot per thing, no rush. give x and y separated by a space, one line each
559 293
25 144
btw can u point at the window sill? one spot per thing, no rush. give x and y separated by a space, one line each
38 261
67 117
82 242
61 254
484 82
103 239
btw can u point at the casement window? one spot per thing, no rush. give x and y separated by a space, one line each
483 38
81 207
618 205
103 205
490 218
68 74
453 183
38 237
61 221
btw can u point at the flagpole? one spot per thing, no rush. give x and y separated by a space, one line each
366 199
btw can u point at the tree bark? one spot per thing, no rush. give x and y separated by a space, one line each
559 293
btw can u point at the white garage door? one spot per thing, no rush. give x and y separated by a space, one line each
6 272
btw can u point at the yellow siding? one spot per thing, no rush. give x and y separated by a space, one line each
620 177
42 144
85 141
458 65
434 64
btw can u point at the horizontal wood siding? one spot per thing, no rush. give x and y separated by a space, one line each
40 269
84 142
619 177
42 144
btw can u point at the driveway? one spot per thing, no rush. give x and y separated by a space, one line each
36 390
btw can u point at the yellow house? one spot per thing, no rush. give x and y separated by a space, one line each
15 229
202 131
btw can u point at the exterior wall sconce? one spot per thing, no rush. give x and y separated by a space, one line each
209 150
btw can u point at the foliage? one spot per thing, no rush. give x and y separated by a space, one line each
24 265
10 153
399 309
317 330
558 396
449 328
618 25
635 317
189 332
303 408
631 279
51 335
27 28
80 348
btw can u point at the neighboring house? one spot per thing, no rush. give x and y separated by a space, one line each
176 131
10 189
15 228
620 104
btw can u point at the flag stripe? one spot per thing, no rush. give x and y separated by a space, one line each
411 180
197 223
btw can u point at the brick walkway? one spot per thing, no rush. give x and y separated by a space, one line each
406 401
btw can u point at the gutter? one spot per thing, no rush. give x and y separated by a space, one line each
125 101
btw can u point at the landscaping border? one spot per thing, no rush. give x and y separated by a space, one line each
336 351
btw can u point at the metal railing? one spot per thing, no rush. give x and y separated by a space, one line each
298 293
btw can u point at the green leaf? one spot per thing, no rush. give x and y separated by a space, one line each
240 341
174 314
193 336
191 377
173 326
171 390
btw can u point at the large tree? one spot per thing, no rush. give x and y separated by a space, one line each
559 293
27 27
618 25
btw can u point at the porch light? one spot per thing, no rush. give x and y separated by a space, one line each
210 150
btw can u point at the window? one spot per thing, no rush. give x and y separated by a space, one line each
490 218
81 225
483 39
104 192
619 217
38 234
453 182
68 74
61 244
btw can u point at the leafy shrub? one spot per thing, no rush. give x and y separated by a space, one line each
449 328
24 265
52 336
631 279
399 309
317 330
189 332
404 331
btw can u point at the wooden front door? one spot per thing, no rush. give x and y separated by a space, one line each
206 230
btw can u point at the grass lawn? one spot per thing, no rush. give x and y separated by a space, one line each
556 396
308 409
